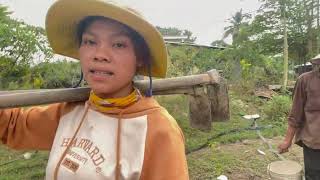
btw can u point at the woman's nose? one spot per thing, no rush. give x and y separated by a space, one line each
102 54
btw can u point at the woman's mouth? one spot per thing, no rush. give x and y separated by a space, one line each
101 73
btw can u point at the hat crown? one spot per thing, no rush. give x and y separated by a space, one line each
121 5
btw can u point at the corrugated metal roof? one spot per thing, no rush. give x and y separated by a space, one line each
175 37
195 45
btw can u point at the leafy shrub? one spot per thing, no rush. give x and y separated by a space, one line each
277 108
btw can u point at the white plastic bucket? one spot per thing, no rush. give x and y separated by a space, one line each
285 170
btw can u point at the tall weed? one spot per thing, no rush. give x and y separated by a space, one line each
277 108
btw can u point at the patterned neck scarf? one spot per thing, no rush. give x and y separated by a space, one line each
108 104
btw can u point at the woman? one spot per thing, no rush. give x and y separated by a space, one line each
117 133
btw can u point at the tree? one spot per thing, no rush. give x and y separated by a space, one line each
237 23
294 26
238 31
285 52
278 29
301 23
190 37
280 9
21 46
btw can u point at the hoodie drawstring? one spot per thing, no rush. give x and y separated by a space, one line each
118 147
55 175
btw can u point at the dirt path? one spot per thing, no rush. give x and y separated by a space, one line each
238 161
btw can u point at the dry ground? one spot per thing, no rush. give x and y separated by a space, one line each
238 161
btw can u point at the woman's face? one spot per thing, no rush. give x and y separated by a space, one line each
108 59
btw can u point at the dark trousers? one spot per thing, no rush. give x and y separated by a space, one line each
311 163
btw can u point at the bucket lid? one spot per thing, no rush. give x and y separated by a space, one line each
285 167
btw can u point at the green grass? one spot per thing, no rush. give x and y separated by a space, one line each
211 162
178 107
33 168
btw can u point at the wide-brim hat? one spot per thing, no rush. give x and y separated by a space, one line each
316 60
64 15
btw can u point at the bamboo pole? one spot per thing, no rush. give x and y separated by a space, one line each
178 85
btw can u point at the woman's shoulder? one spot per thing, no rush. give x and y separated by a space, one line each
161 120
64 108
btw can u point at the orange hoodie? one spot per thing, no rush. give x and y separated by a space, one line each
141 141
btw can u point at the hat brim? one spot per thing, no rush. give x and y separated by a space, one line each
64 15
315 61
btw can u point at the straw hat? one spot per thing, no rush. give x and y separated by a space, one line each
64 15
316 60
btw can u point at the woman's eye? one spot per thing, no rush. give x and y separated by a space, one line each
88 42
119 45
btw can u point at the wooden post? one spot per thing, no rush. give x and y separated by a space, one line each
218 95
200 109
209 103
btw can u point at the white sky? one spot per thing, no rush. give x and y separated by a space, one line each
205 18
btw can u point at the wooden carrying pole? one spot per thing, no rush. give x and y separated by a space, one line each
208 96
179 85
